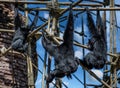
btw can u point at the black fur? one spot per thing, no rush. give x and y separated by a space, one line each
96 58
19 42
65 62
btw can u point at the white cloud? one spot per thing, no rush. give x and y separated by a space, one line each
99 73
66 83
77 36
38 82
51 85
78 28
78 54
91 79
46 15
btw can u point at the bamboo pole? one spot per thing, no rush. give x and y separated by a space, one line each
47 2
54 30
114 51
44 70
75 9
29 61
111 39
24 2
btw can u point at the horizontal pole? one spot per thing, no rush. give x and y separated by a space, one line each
24 2
47 2
81 4
75 9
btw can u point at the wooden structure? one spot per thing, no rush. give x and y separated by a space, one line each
14 70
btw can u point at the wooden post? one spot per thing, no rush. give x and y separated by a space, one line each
114 51
29 62
111 40
112 44
44 70
54 29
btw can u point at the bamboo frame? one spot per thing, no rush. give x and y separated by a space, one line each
63 10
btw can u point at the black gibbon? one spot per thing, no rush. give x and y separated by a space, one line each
19 42
65 62
96 58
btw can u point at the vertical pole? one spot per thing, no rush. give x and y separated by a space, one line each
29 62
112 42
104 24
114 51
83 50
49 57
44 70
30 67
54 29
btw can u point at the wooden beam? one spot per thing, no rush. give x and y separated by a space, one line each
47 2
75 9
24 2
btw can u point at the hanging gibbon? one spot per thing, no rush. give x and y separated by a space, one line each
65 62
96 58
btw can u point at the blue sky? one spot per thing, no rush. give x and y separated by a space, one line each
73 83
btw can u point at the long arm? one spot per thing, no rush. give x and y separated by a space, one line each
48 45
100 26
68 35
91 25
34 23
17 20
